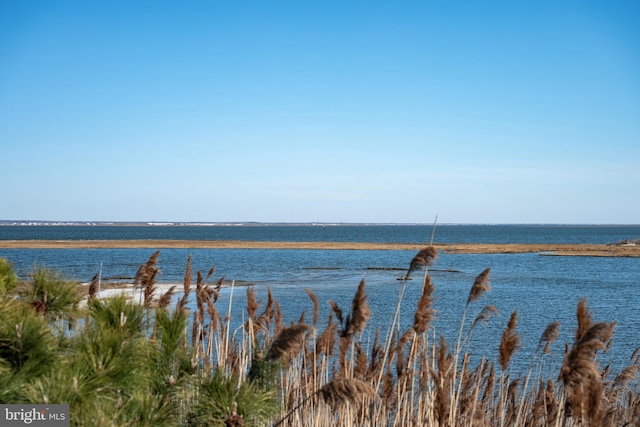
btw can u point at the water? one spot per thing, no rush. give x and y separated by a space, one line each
542 288
336 233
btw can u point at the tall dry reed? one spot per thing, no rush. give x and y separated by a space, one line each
347 375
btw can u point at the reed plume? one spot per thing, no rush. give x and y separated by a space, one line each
145 278
376 357
442 377
422 259
252 303
585 319
268 314
480 286
360 312
580 372
510 341
316 306
345 390
186 287
288 342
625 376
93 287
336 310
165 299
550 334
424 313
327 340
212 311
361 363
550 406
336 393
489 386
486 313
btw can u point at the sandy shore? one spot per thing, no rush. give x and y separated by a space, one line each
467 248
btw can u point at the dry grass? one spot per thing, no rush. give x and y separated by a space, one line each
343 377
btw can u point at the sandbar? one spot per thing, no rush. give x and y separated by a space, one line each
598 250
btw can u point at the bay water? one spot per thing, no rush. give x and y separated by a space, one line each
542 288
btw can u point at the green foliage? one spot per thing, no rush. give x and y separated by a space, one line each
264 372
28 350
117 314
172 358
26 342
52 295
219 396
8 277
144 409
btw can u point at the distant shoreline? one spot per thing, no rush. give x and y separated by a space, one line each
37 223
599 250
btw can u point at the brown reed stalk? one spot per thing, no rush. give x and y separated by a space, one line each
401 363
480 378
360 312
464 399
337 311
550 334
264 320
149 290
510 342
485 315
538 409
625 376
424 313
343 348
277 316
199 316
288 342
186 287
165 298
316 306
376 364
512 394
424 258
326 342
252 309
585 319
212 311
361 363
489 388
442 377
93 287
635 357
200 298
480 286
145 278
336 393
552 408
471 381
388 391
580 373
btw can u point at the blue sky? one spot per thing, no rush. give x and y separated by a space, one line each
478 111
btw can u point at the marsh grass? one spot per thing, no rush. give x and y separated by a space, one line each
148 363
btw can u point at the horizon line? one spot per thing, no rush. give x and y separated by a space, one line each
28 222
